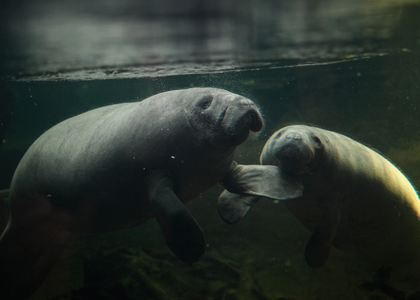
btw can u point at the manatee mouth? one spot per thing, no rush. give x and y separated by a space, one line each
294 159
292 165
254 120
233 125
250 120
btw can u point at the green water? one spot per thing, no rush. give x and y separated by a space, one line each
348 66
375 101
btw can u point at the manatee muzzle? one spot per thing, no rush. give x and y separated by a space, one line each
242 116
293 153
236 121
253 119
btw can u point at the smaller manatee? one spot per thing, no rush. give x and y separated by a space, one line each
346 194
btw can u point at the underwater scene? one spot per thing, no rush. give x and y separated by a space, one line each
324 211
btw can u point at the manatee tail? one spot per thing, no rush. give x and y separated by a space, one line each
27 254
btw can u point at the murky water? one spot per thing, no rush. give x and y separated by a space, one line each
374 101
371 96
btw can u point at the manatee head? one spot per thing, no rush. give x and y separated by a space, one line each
219 117
295 149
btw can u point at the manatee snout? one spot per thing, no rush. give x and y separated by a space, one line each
293 152
253 120
243 114
250 120
240 117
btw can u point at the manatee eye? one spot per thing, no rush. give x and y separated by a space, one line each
205 102
278 135
317 141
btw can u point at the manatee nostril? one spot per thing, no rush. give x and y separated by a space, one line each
294 136
222 115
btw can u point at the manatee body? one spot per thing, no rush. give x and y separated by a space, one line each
346 194
116 167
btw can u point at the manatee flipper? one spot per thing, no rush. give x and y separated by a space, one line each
263 181
245 185
319 244
182 233
233 207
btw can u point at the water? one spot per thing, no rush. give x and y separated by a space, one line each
369 91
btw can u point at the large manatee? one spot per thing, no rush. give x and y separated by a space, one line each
116 167
346 194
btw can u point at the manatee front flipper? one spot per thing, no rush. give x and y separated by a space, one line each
245 185
264 181
182 233
319 244
233 207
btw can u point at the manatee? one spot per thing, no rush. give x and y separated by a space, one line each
116 167
346 194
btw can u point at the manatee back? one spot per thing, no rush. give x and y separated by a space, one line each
68 155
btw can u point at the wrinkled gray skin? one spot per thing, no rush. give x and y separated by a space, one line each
346 194
116 167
